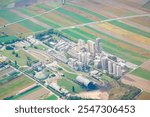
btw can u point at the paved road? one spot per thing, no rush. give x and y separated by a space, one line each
102 21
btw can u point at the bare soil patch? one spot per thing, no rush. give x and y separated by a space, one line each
94 95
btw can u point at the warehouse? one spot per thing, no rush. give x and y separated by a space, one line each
86 82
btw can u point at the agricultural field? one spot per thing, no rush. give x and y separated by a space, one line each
36 93
67 84
141 73
144 96
52 97
8 39
12 87
134 80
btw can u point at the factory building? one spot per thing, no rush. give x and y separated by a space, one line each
86 82
104 63
97 64
119 71
114 69
110 67
82 57
80 66
91 47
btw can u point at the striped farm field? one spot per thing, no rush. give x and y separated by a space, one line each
12 17
43 6
88 11
58 19
12 87
116 23
74 15
9 16
62 19
31 26
142 73
141 20
125 33
82 13
40 18
123 44
131 29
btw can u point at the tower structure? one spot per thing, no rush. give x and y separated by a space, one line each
98 45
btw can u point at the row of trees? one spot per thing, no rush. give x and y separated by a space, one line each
48 32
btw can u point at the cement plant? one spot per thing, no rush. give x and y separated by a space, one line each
74 50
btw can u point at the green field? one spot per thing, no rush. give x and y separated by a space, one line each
52 97
70 75
67 84
31 26
141 73
74 15
9 16
106 78
21 59
40 18
12 17
10 77
12 87
8 39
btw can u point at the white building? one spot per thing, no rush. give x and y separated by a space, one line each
110 67
98 45
119 71
104 63
82 57
97 64
91 47
114 69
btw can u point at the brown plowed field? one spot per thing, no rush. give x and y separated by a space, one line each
137 82
38 94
